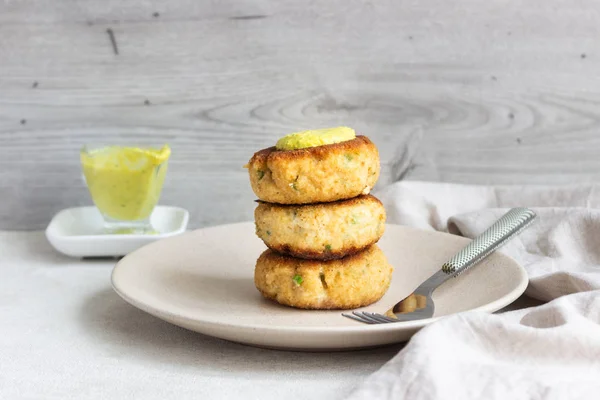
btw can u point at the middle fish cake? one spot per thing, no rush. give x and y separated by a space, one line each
323 231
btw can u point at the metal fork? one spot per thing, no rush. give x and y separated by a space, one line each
419 304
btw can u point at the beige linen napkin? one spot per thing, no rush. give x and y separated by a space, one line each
546 352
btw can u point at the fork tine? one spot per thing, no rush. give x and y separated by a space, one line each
379 318
366 316
369 318
358 318
386 318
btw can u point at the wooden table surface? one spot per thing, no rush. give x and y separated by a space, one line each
465 91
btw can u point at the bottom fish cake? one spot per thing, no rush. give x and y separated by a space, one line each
350 282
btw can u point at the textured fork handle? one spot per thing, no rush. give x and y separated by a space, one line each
508 226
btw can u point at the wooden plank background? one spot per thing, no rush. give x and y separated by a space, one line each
493 91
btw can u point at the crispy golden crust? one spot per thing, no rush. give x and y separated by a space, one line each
309 254
350 282
315 174
322 231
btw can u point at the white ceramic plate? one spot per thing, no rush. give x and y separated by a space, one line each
203 281
77 232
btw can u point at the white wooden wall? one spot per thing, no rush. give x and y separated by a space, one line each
494 91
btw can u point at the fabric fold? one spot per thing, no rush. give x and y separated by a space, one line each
546 352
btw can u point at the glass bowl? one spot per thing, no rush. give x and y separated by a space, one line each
125 183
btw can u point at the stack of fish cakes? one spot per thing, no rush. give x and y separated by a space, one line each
319 222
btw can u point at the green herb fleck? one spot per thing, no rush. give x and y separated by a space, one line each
298 279
327 247
260 174
293 185
268 233
349 157
323 281
354 220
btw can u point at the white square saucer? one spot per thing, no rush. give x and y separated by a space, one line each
77 232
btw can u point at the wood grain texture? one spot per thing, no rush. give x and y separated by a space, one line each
466 91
